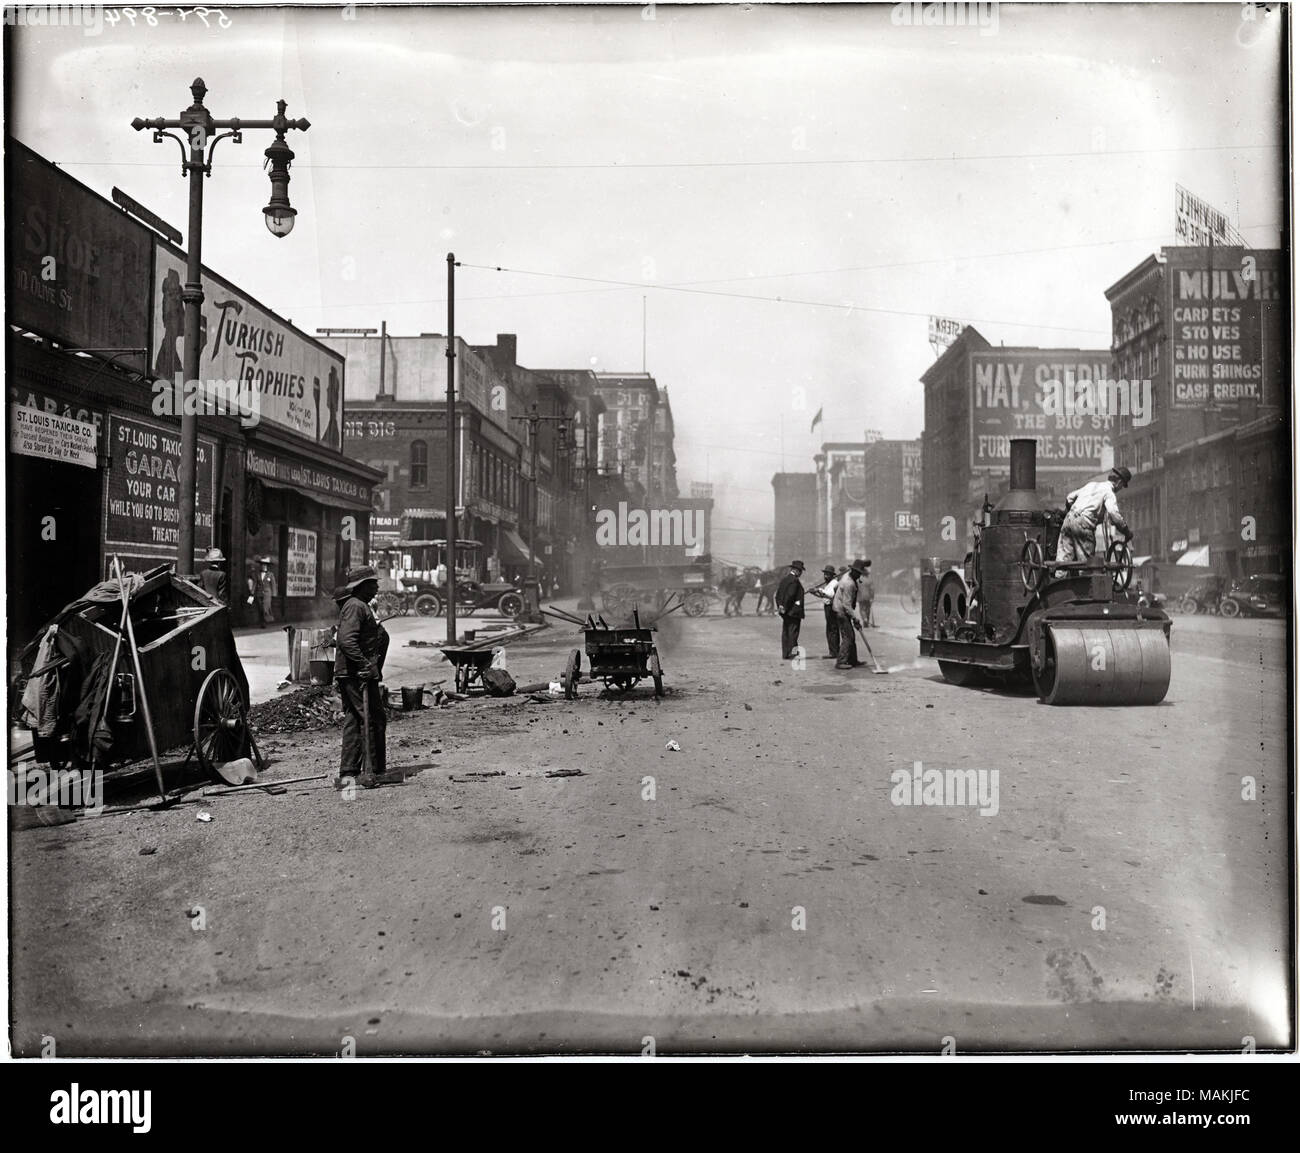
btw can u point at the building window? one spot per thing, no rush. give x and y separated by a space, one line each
419 464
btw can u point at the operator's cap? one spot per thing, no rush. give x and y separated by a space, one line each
1121 473
797 564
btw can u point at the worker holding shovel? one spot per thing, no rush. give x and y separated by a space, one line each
358 668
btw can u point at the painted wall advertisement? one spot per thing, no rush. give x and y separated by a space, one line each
329 486
1058 397
141 496
283 376
300 568
34 432
76 267
1225 334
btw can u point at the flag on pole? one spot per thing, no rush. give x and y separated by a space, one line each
816 421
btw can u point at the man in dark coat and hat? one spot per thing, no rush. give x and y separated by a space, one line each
362 644
789 603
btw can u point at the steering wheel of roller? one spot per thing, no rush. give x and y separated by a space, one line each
1032 567
1120 557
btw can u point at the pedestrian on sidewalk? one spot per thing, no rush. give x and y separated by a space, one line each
215 582
265 593
362 644
848 613
789 603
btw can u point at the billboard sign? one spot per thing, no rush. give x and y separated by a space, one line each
77 269
1053 395
1198 223
284 376
907 521
1225 325
944 331
300 568
141 496
35 432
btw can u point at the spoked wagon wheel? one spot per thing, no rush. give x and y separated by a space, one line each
657 674
695 605
220 726
572 671
390 604
619 600
428 605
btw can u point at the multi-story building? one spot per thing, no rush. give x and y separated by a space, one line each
1198 339
977 399
663 453
627 429
841 513
794 527
397 419
892 504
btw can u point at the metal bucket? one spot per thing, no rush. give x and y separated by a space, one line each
322 672
412 698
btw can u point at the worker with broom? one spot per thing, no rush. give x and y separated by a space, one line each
849 614
362 644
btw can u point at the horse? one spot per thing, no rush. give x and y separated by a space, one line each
767 584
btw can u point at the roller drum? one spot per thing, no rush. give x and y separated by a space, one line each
1090 664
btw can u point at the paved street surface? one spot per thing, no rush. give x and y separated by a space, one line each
770 895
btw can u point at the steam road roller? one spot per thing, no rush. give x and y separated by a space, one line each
1012 613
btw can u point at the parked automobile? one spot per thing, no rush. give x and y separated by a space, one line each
1264 594
1203 596
410 580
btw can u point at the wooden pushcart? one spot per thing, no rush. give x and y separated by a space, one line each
620 657
174 677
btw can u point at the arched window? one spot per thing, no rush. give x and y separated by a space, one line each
419 464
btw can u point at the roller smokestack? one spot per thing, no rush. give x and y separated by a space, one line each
1024 468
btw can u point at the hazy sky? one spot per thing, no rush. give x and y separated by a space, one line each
866 173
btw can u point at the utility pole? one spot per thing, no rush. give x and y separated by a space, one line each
451 448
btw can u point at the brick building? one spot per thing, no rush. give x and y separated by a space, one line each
1205 327
794 525
892 504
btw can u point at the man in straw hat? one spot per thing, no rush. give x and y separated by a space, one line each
1085 509
214 581
362 644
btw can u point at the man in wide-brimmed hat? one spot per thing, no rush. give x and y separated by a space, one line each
214 581
1085 509
848 614
362 644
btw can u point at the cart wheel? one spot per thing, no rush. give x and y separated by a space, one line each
510 605
695 605
657 674
389 605
220 726
572 671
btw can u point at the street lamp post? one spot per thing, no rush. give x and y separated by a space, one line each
202 133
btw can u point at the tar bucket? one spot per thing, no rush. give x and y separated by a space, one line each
412 699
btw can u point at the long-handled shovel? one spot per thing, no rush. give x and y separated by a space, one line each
367 748
862 633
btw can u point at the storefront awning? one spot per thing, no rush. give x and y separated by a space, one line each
334 500
1199 557
515 545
